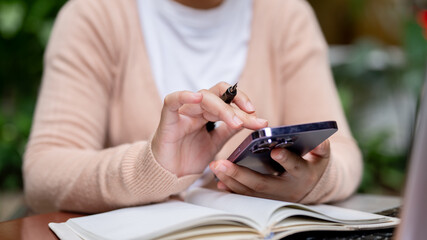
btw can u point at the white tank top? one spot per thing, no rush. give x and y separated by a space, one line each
193 49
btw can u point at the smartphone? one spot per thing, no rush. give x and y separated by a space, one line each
254 152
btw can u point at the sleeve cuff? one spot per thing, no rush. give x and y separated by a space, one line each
324 186
340 178
146 179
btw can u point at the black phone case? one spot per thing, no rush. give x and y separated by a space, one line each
254 151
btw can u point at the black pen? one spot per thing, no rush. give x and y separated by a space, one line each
227 97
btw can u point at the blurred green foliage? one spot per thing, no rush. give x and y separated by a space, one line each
24 30
374 75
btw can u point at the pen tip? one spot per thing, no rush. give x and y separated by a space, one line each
234 86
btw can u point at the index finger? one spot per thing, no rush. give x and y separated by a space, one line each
172 103
241 99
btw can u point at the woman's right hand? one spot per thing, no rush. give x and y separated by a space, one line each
181 143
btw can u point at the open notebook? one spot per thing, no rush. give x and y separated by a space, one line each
209 214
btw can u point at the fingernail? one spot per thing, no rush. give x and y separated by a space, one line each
261 121
250 107
237 121
280 155
221 186
221 168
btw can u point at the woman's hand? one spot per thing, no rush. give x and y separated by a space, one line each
181 143
300 177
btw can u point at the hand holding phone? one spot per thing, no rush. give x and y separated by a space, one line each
254 152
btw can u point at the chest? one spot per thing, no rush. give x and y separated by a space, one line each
135 105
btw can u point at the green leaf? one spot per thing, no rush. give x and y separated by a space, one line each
11 18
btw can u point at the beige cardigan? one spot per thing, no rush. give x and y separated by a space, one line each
89 148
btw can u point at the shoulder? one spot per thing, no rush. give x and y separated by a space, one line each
286 22
284 6
284 12
107 13
104 16
100 6
106 23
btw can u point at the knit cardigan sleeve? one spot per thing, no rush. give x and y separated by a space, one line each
309 93
66 164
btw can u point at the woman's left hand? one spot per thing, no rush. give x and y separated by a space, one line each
300 177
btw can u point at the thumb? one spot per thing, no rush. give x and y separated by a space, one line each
323 150
222 133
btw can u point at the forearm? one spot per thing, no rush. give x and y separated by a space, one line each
94 181
342 175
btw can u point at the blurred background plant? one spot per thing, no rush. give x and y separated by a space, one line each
378 55
24 30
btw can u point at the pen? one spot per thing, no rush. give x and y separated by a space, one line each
227 97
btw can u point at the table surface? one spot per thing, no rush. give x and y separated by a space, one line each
33 227
36 226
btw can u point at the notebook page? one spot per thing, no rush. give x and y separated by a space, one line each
254 208
268 212
148 221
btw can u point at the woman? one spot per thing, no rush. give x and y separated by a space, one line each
103 139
